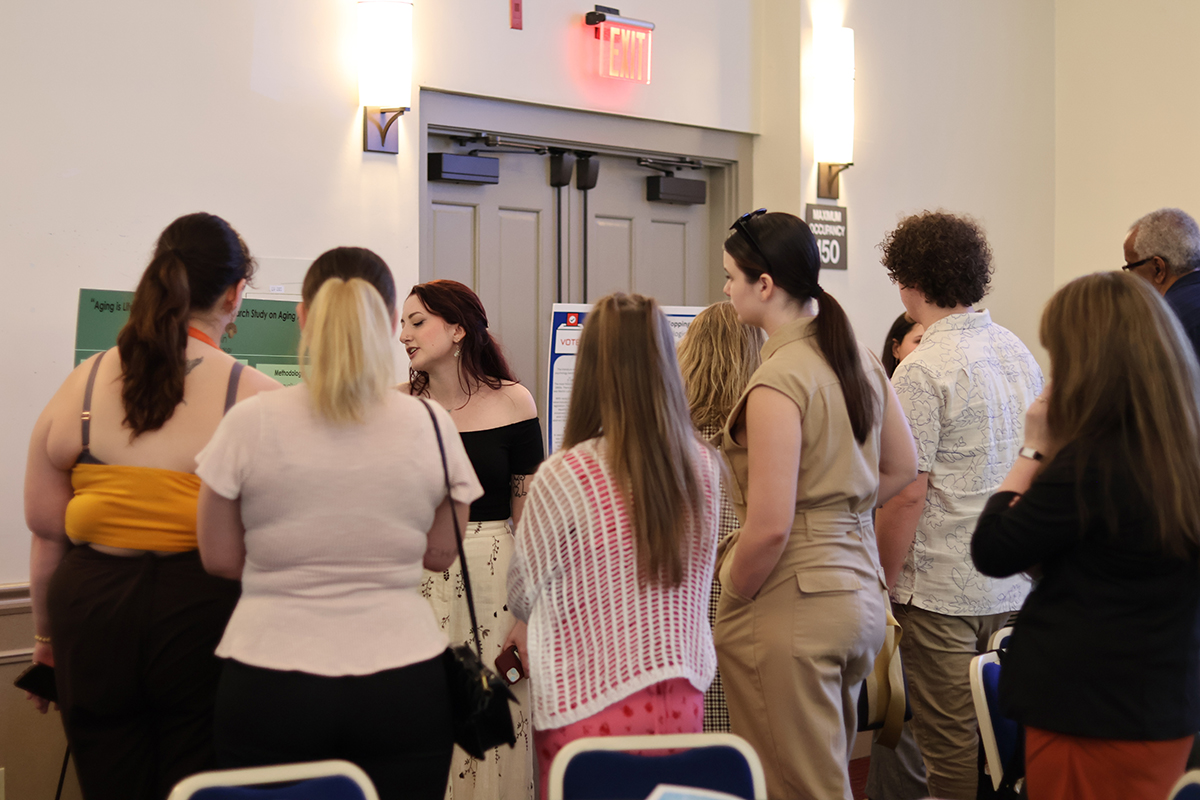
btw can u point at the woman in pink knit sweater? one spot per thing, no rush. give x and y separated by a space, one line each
614 553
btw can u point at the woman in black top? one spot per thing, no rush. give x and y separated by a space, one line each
1103 668
456 362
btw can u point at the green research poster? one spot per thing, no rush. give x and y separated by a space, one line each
267 336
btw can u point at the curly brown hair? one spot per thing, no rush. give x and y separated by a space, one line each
944 256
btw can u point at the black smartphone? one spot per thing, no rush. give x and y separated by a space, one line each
38 680
509 665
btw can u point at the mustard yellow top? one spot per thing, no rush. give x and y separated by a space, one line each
140 508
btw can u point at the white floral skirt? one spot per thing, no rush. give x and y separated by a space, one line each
505 773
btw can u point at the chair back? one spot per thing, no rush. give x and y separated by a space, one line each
999 640
1187 787
999 733
314 780
620 768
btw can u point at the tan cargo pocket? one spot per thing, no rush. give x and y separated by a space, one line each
820 581
727 584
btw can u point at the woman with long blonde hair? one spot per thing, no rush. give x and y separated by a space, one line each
326 500
717 356
615 550
1104 503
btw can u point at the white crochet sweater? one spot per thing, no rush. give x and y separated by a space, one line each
596 635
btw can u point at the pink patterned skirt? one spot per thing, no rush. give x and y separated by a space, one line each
673 706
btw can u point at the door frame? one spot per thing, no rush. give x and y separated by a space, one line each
728 153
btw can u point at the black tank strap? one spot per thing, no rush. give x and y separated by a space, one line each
86 416
235 375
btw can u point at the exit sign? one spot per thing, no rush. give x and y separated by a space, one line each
623 45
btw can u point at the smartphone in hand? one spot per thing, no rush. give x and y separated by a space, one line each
38 680
509 665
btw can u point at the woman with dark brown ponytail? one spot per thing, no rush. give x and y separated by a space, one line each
122 607
816 441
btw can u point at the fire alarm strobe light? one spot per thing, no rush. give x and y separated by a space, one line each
624 45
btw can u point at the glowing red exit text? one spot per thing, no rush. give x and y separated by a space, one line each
624 52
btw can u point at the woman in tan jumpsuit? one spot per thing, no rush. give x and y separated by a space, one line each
816 441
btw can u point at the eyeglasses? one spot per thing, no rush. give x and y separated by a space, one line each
1137 264
739 225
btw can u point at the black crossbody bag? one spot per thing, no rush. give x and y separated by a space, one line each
478 696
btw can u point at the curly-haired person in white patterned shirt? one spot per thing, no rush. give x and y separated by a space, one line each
964 390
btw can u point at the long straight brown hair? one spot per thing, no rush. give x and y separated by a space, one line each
1122 370
628 390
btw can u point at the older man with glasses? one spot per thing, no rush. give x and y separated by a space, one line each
1163 248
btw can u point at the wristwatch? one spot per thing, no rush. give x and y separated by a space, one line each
1029 452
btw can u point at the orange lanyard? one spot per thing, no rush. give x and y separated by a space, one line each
196 333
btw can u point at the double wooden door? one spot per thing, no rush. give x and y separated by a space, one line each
520 244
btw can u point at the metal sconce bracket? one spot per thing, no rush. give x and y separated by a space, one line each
828 184
378 136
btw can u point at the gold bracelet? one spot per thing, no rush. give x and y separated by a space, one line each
42 639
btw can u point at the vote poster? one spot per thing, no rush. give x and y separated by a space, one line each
266 335
566 326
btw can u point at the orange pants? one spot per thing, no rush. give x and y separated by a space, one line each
1061 767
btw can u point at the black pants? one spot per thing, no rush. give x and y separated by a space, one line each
133 650
395 724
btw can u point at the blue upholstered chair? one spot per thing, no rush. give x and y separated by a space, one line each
602 768
1187 787
999 733
314 780
999 640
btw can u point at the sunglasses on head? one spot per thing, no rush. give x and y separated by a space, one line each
740 225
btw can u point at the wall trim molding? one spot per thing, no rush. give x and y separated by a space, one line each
14 599
19 656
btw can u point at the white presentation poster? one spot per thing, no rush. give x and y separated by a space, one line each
567 324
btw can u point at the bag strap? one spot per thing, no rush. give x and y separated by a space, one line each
85 418
462 556
62 776
893 719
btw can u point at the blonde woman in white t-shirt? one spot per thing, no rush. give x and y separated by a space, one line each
326 503
615 549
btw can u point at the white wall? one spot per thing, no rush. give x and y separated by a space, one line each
1128 123
120 116
954 109
701 72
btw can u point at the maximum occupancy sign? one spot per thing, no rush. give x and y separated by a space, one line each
828 225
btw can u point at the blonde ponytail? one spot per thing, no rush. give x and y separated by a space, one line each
346 350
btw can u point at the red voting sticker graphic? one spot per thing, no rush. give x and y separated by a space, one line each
572 317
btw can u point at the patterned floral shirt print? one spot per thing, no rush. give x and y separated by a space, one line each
964 390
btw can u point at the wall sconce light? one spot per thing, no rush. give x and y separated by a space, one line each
833 142
385 33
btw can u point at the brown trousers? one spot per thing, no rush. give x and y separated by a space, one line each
937 650
794 657
137 677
